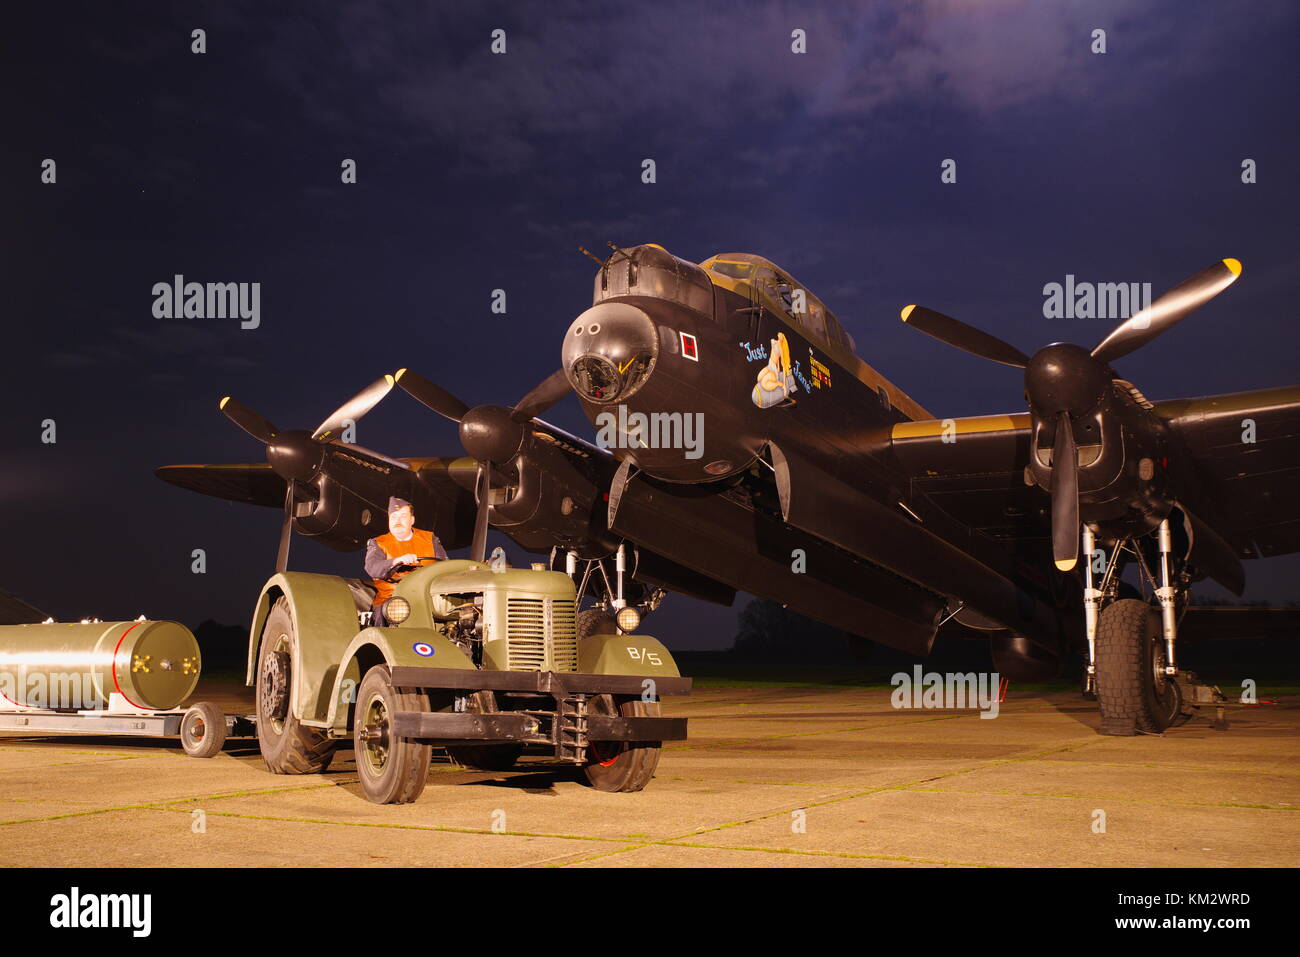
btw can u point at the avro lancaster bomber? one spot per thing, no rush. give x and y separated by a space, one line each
815 482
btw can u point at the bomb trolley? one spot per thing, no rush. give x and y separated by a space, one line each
113 678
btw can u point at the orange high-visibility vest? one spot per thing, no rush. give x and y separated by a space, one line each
420 543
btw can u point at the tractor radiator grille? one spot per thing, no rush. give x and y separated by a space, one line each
542 635
564 635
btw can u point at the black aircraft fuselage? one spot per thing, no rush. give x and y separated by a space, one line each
763 445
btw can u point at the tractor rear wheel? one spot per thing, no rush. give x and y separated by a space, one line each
288 747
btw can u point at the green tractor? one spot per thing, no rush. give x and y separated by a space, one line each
482 660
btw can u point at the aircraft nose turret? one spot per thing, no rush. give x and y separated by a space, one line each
609 352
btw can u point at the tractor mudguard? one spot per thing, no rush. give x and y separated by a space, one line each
395 647
325 618
625 655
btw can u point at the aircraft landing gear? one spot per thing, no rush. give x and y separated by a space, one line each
1131 644
619 602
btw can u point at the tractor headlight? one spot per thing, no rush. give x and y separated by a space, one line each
627 619
397 610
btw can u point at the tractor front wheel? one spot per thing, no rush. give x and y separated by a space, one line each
391 769
622 765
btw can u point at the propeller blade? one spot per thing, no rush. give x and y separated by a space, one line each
1144 325
1065 496
354 408
544 395
434 397
286 530
964 337
248 420
478 548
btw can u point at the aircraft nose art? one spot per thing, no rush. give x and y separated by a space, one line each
609 352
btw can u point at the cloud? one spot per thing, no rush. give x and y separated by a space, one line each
575 74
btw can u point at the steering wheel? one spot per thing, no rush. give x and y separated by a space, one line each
403 569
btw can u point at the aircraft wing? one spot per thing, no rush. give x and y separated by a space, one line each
1247 446
15 611
253 484
974 470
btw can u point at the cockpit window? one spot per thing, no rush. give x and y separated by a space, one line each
734 270
779 292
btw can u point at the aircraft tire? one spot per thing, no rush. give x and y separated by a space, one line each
1130 650
590 621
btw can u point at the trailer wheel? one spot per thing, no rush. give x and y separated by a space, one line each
1134 692
392 770
203 730
485 757
622 765
287 746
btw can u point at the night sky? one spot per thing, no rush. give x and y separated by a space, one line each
478 171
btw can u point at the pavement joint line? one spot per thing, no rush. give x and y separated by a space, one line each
730 742
87 813
441 828
835 799
1116 800
1182 767
555 861
816 853
114 754
63 764
255 792
157 804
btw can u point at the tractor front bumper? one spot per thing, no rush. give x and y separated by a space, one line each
539 682
565 725
505 727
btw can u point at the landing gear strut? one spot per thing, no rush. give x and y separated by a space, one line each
612 594
1132 668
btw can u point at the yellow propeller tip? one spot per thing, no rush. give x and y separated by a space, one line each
222 403
907 311
1066 564
1234 265
398 374
389 379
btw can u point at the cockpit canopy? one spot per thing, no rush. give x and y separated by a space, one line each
651 270
777 290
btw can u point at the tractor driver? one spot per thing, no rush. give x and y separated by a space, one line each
403 545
